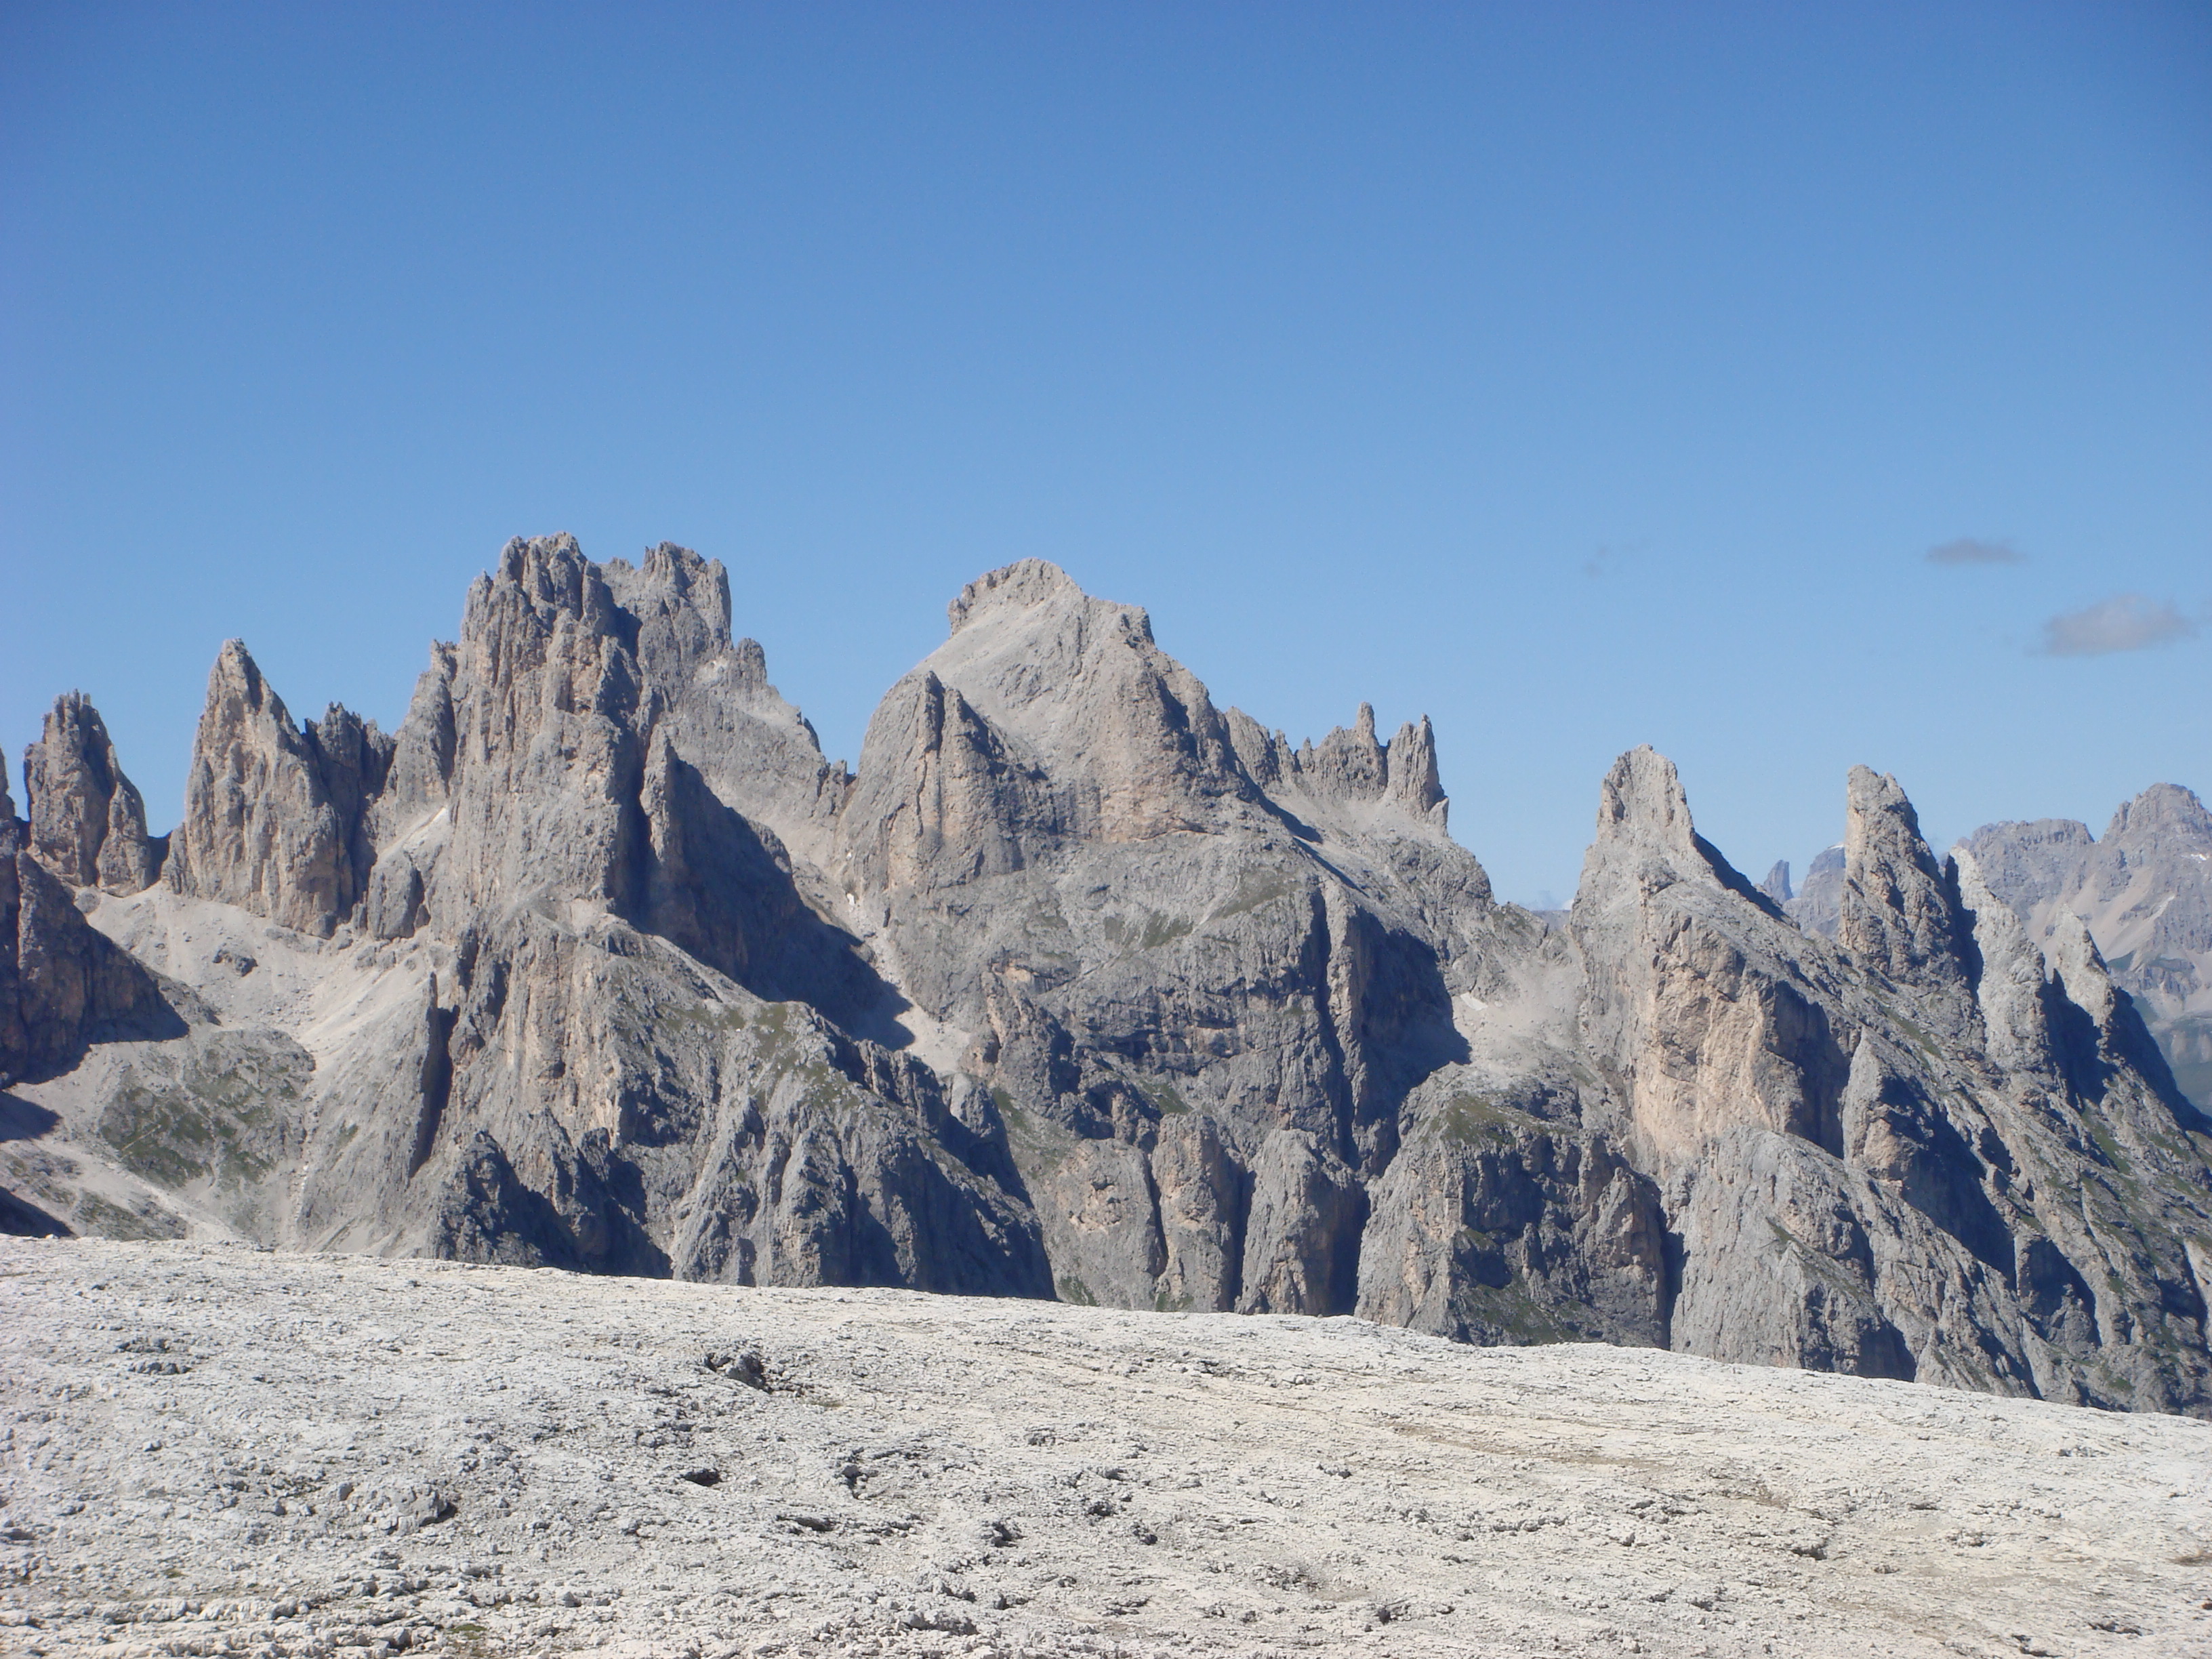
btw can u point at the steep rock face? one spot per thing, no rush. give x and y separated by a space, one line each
263 827
1899 912
2144 892
756 751
1189 960
1711 1036
1085 987
62 983
1505 1220
595 1072
87 823
1857 1187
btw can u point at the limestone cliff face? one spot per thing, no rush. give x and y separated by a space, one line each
1083 985
87 823
63 984
2143 891
1899 912
605 1067
1198 969
272 813
1870 1153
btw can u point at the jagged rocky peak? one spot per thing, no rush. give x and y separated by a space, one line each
87 823
551 709
1644 829
62 981
1047 717
422 765
1683 992
1351 765
1641 802
2029 863
545 621
263 829
1209 1021
2165 817
1775 885
1900 909
1026 585
566 677
2143 893
682 604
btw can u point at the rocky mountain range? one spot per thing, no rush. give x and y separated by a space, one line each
1081 986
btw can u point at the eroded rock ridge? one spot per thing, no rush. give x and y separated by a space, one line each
1083 985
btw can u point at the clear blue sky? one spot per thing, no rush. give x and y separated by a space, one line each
1580 374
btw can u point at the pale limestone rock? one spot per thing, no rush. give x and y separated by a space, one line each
598 1087
260 829
1201 1205
1679 998
87 823
1143 908
1873 1161
1777 1268
2144 892
1900 908
1306 1213
900 1477
63 984
2012 991
1086 985
1497 1224
1817 907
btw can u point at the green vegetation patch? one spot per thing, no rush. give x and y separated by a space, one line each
1471 1118
719 1017
1166 1101
1152 932
1508 1312
102 1219
223 1116
1253 889
1039 1148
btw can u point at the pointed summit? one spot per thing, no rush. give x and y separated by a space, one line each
1641 803
88 823
1900 911
2165 816
259 830
1414 783
1092 731
1020 586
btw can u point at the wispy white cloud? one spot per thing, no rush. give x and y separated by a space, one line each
1973 549
2126 622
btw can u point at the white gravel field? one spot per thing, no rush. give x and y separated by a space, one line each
215 1450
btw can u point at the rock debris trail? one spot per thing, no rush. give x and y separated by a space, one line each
215 1450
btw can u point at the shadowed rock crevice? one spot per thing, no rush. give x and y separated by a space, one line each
63 985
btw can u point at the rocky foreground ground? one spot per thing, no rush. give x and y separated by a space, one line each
216 1449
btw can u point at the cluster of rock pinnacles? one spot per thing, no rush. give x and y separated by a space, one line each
1081 986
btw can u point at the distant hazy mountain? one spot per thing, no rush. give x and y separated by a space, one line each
2145 890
